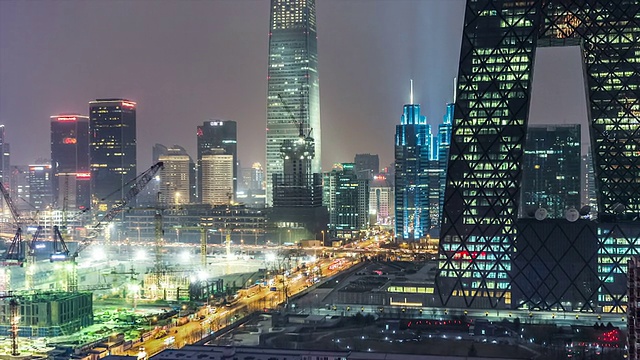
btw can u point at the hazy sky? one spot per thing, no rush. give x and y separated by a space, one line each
187 61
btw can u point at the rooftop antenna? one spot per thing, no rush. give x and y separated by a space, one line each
411 95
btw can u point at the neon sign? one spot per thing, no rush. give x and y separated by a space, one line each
69 140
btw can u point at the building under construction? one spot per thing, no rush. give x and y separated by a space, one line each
48 314
166 286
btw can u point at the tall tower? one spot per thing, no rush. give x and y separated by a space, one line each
412 149
112 149
70 163
293 94
175 177
218 134
489 130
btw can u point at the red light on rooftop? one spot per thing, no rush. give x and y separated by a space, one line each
128 104
69 140
83 175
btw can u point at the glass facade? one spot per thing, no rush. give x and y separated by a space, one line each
218 134
293 94
493 95
70 161
112 149
551 170
412 150
349 202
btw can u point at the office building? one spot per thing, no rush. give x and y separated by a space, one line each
489 130
444 141
381 201
293 90
40 186
112 150
176 177
297 186
217 177
551 170
412 148
367 165
348 202
70 163
215 135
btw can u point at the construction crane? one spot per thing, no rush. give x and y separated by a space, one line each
62 253
16 254
203 241
14 319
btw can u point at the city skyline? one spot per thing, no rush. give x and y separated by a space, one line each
231 84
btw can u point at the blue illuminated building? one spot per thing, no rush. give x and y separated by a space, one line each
412 150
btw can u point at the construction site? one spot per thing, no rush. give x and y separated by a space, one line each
65 282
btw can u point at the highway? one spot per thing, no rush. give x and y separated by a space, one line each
197 329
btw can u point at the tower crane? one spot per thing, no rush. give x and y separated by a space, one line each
62 253
14 319
17 254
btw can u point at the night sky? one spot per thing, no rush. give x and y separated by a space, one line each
187 61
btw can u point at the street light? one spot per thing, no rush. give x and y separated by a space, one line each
322 237
289 231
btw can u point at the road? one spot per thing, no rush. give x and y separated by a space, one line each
197 329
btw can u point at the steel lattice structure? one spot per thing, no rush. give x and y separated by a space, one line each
499 44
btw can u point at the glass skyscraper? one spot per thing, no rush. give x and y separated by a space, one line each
112 123
70 161
218 134
293 97
499 44
412 150
551 170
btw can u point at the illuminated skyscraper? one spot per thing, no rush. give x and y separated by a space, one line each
348 202
112 149
218 134
40 186
293 94
176 176
70 161
217 177
412 150
551 169
490 122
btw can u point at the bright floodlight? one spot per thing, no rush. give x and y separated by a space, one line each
98 254
202 275
270 257
185 256
140 255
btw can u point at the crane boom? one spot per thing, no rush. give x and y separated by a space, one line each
63 253
12 207
140 183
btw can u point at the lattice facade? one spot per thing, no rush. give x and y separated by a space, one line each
493 96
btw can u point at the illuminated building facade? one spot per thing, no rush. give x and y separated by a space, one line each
70 161
412 150
444 141
293 90
218 134
492 106
348 202
551 169
176 177
40 186
381 204
217 177
112 151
